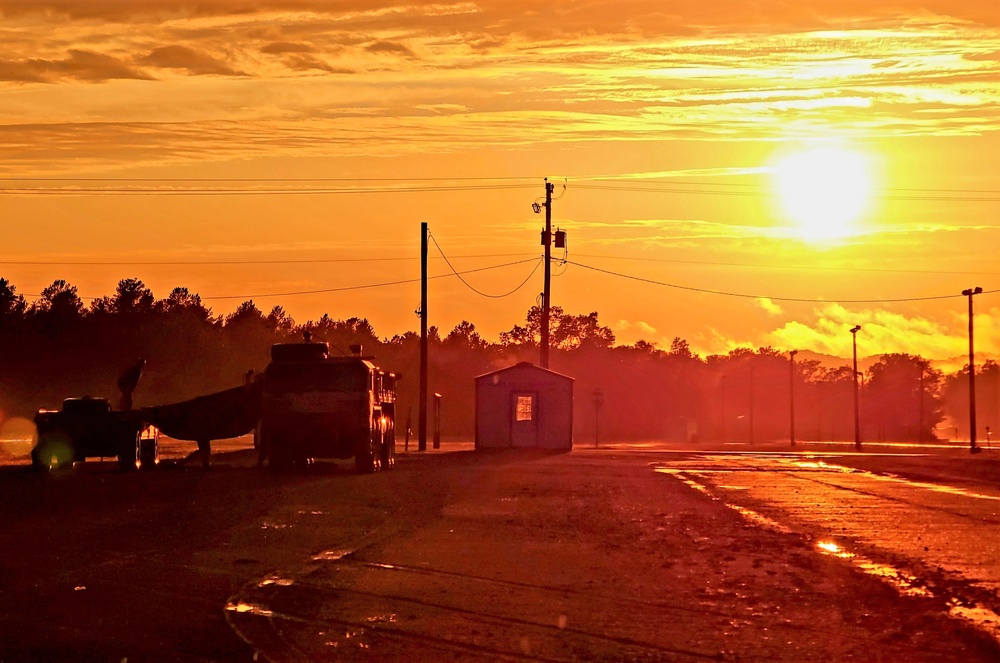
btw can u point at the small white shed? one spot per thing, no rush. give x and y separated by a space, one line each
524 406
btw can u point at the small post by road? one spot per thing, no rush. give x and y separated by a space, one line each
406 444
722 398
437 420
598 398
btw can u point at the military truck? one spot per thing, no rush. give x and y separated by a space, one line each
318 406
88 428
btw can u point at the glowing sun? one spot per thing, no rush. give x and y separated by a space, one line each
824 190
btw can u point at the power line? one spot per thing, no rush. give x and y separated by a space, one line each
959 196
771 297
286 191
470 286
267 179
307 261
343 288
303 261
619 183
712 263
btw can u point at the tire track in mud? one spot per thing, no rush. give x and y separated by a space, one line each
264 629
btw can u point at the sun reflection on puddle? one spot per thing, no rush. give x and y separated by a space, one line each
891 478
759 519
833 549
984 618
276 580
904 583
249 608
332 555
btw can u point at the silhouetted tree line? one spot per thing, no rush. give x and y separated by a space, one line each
58 346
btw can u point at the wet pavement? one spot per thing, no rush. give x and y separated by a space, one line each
933 536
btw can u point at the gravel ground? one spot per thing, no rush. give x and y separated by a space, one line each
452 555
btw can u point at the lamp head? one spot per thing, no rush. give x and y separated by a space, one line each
536 208
856 329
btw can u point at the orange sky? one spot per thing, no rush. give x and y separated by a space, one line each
680 108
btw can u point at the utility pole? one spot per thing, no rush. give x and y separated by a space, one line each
972 375
546 292
857 412
422 414
751 402
791 396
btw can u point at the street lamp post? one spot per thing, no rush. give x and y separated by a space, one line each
857 422
969 292
722 390
791 396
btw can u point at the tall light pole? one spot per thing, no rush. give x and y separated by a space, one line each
751 402
791 396
857 421
422 414
969 292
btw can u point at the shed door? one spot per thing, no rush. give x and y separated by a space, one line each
524 427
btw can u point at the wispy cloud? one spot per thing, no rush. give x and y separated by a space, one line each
188 59
571 72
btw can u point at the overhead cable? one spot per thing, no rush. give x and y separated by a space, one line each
770 297
474 289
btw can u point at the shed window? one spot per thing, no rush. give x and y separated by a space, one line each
525 410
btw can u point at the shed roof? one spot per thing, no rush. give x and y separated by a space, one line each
524 365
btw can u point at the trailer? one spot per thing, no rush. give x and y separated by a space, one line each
87 428
318 406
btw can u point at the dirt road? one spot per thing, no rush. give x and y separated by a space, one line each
451 556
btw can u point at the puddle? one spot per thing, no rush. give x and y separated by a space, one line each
680 475
892 478
249 608
270 525
982 618
759 519
276 580
904 583
332 555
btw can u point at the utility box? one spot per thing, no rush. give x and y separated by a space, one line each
526 407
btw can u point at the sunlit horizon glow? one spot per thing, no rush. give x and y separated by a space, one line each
684 111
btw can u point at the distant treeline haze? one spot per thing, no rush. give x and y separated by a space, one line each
58 346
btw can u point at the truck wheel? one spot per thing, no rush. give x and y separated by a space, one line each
127 456
37 463
389 448
279 458
52 453
149 453
365 460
